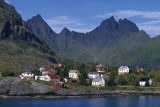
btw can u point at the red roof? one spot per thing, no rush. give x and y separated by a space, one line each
139 69
47 69
58 65
53 76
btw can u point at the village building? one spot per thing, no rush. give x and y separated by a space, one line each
72 80
59 84
123 70
74 74
143 81
93 75
41 69
139 69
54 78
26 75
46 71
58 65
98 82
100 68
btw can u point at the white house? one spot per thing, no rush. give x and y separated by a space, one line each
46 71
123 70
26 74
143 81
92 75
54 78
98 82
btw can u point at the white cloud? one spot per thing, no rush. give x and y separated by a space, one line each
152 30
132 13
150 22
58 23
7 1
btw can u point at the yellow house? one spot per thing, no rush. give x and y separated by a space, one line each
73 74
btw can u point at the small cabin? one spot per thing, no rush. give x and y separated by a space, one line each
92 75
143 81
98 82
139 69
100 68
74 74
26 75
123 70
59 84
71 80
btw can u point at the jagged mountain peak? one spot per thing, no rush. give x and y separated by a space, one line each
65 31
37 17
108 21
127 26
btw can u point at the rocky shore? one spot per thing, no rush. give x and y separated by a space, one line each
14 87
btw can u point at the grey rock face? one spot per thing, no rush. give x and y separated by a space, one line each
17 87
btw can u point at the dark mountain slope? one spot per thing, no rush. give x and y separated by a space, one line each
20 49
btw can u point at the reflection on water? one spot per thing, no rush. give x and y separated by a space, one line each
141 101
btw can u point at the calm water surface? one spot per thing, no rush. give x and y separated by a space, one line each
142 101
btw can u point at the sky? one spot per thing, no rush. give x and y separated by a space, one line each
85 15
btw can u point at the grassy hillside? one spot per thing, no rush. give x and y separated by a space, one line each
19 57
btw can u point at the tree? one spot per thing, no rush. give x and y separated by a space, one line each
111 82
82 75
121 80
8 73
131 79
36 72
158 79
147 84
152 76
136 83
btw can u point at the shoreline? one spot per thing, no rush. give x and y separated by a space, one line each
109 94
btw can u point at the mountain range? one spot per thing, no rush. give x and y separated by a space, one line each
112 43
20 49
26 45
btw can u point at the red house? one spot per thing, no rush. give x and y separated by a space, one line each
71 80
139 69
59 84
58 65
46 71
100 68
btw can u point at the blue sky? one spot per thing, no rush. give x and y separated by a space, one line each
85 15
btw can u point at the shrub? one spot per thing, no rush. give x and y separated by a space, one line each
8 73
158 79
110 82
36 72
152 76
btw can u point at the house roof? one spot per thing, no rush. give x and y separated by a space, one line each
61 82
93 73
73 71
97 79
58 65
144 79
100 65
139 69
123 67
53 76
47 69
28 72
